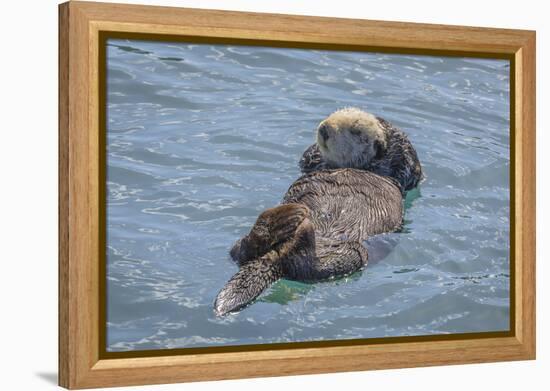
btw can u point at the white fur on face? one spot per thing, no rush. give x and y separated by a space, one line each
352 134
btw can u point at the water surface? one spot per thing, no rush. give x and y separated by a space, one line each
202 138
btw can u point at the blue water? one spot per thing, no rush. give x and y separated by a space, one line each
202 138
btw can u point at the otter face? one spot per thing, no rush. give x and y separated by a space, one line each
351 138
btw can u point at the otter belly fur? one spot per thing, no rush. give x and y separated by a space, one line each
315 234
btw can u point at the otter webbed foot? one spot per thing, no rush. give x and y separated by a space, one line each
280 234
272 228
330 259
339 259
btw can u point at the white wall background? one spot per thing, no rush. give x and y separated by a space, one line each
28 207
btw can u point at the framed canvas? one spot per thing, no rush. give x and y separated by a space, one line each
246 195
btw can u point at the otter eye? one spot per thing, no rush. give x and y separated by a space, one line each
355 132
323 132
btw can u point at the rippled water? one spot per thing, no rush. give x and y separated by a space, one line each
202 138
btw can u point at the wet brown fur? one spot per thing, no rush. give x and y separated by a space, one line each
315 234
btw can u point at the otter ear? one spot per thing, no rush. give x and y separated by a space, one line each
379 148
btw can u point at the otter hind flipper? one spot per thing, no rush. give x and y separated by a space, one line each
279 233
248 283
332 259
341 259
273 227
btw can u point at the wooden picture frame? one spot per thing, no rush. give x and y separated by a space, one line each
82 26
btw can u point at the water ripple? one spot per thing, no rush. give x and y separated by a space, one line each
202 138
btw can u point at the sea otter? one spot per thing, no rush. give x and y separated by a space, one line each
315 234
354 138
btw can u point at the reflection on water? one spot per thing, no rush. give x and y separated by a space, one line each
202 138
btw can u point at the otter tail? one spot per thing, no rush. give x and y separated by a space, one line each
248 283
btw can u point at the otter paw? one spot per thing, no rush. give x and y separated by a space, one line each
273 227
279 224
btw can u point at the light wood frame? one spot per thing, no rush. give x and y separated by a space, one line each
80 27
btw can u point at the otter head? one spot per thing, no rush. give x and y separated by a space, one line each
351 138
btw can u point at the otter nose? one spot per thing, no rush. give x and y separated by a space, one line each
324 133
